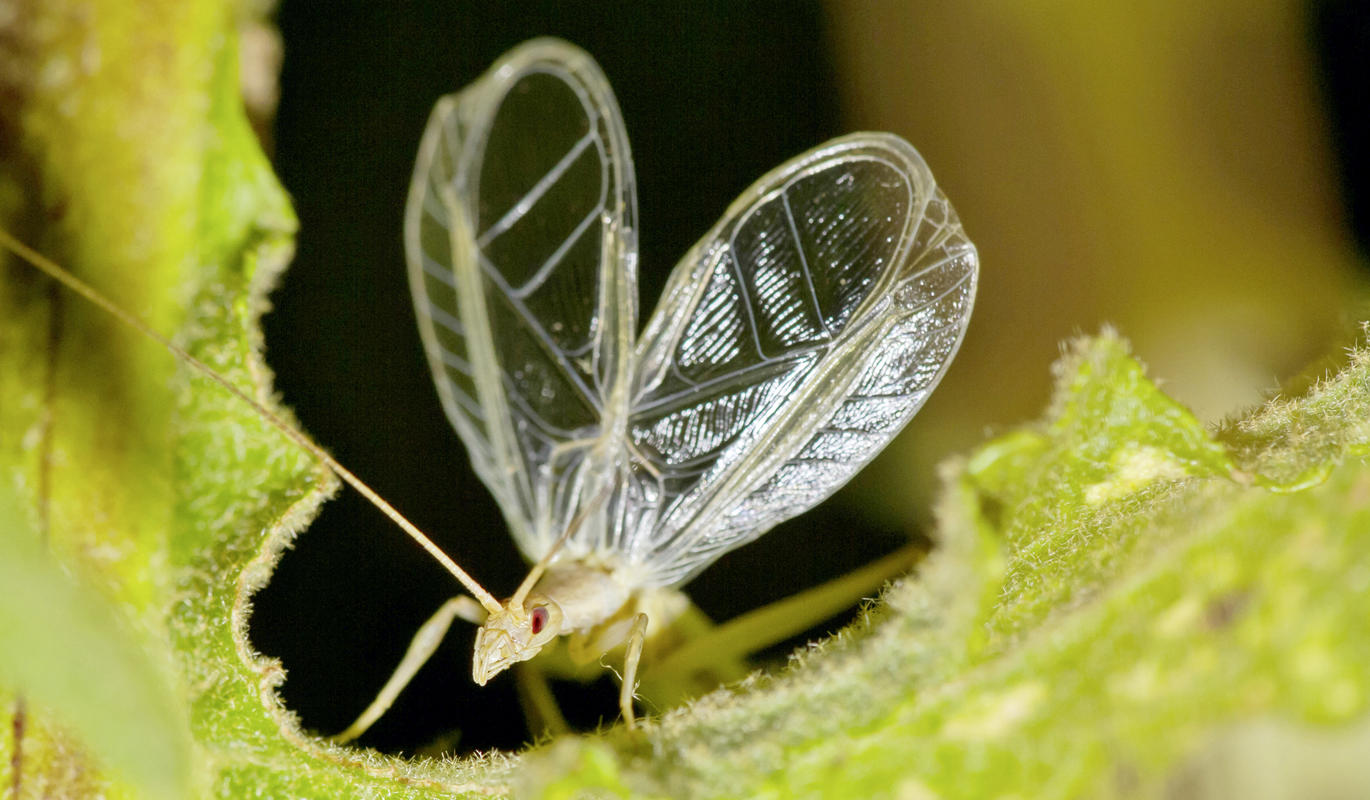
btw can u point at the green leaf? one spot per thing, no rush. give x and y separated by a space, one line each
80 658
1111 600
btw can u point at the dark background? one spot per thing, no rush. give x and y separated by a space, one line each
714 95
719 96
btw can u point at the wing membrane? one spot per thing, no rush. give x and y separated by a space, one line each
790 345
521 240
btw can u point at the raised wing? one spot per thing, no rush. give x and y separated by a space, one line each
791 344
521 242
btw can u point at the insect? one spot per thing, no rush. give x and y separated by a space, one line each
791 343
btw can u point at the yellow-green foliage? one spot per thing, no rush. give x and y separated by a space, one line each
1114 596
1120 603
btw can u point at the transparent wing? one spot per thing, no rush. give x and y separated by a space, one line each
521 242
791 344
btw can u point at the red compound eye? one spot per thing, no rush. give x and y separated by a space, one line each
539 619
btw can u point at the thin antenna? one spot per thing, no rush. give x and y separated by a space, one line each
78 286
535 574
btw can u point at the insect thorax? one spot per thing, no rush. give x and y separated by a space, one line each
587 594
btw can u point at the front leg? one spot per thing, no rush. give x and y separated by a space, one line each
630 632
539 704
424 644
632 654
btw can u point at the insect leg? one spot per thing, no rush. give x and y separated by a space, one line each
425 642
632 653
539 706
780 620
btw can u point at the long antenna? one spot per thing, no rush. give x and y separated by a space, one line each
50 268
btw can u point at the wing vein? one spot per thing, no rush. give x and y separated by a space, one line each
744 296
555 258
804 266
446 320
525 203
539 333
454 361
435 270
